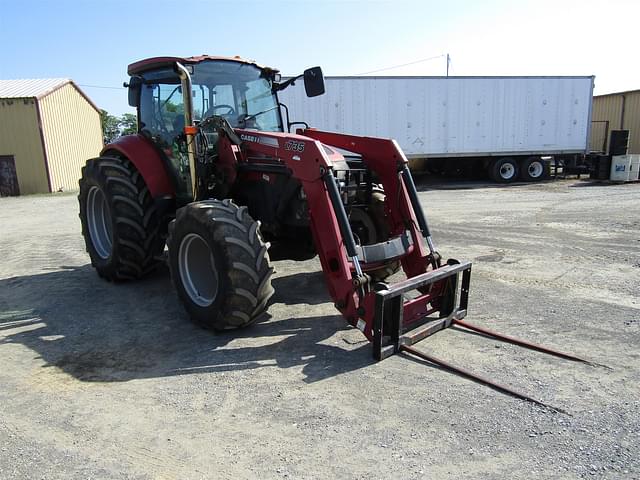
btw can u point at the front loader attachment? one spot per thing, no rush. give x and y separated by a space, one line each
387 313
432 298
393 316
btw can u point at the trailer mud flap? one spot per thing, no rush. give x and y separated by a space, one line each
390 330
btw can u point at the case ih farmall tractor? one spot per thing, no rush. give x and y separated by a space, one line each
214 174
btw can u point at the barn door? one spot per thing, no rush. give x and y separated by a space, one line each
8 178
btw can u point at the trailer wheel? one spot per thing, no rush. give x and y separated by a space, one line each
219 264
503 170
533 169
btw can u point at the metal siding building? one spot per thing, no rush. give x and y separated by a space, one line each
622 111
48 129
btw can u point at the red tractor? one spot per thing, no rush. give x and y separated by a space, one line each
214 174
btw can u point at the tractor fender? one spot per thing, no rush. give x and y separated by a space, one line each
147 160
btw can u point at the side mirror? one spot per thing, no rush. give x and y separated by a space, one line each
313 82
135 83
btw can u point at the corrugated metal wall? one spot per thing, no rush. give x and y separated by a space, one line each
632 120
20 137
72 134
609 107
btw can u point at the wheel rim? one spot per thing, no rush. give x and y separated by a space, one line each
198 270
536 169
507 171
99 222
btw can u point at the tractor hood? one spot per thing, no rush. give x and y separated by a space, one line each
336 158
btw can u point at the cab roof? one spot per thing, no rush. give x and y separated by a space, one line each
158 62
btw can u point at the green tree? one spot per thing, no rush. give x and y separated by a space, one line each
110 126
128 124
177 108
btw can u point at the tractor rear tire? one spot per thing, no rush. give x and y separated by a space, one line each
219 264
122 233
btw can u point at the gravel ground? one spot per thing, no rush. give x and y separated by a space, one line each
105 381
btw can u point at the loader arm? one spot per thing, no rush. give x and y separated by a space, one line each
381 312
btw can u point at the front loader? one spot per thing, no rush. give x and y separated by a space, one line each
215 173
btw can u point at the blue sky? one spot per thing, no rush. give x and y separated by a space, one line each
92 42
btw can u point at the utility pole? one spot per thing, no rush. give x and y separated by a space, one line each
448 62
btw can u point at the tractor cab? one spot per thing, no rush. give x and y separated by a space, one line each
238 92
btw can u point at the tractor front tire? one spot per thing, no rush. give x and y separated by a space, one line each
119 222
219 264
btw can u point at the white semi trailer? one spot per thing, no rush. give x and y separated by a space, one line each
509 127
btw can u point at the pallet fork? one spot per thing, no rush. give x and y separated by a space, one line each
389 302
389 311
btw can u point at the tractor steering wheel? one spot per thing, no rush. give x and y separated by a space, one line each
212 111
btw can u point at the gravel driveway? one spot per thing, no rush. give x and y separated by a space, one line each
102 380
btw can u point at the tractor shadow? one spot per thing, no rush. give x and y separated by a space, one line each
301 288
98 331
